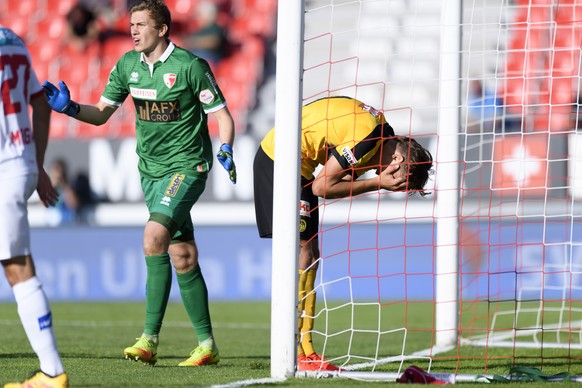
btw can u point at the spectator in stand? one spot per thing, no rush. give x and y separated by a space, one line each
82 27
75 198
66 208
209 41
484 109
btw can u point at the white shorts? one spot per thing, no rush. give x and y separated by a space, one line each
14 227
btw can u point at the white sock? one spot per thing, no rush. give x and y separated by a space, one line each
209 342
154 338
35 315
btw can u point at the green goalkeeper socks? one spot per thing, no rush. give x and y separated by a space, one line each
195 298
159 281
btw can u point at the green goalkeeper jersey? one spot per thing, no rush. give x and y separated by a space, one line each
172 98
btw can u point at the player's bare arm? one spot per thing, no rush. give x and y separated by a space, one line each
41 114
60 101
96 114
331 182
226 135
225 125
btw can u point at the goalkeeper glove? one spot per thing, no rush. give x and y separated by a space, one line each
224 156
60 100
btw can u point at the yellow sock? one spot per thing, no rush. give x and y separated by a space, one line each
308 321
300 307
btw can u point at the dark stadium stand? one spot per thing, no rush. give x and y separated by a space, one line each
250 25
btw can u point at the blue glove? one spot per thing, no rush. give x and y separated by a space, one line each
224 156
60 100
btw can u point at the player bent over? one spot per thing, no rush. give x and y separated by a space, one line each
347 138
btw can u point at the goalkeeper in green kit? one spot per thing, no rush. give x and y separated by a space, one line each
173 91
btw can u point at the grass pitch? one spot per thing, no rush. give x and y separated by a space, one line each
92 336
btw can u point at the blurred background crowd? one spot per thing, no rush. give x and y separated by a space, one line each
79 41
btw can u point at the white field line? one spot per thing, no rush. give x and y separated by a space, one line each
246 383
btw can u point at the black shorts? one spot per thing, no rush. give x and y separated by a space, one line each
263 171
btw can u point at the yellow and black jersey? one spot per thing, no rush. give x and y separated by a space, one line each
346 128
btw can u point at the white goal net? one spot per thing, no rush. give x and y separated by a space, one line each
515 234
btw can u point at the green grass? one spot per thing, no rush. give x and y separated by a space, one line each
92 336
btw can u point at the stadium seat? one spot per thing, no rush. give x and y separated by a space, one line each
51 28
20 24
79 70
45 50
59 7
59 126
525 47
22 7
182 10
43 54
111 50
257 17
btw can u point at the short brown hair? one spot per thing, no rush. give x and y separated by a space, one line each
158 11
418 164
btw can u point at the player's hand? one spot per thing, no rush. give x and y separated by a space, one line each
391 178
46 192
60 100
224 156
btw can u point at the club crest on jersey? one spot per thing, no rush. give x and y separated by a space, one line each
349 156
206 96
169 79
133 77
174 185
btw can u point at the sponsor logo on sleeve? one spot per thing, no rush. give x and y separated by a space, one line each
304 209
373 111
349 156
206 96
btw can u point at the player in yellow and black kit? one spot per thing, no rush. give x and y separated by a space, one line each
348 138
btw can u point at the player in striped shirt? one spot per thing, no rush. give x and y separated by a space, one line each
173 92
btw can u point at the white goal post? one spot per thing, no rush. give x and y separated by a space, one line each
486 272
286 188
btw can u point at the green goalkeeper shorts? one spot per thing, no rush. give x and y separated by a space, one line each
170 200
